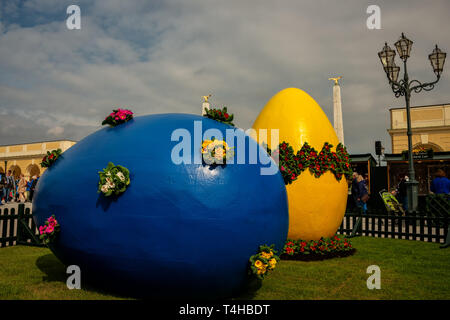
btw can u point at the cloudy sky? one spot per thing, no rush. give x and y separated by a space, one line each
162 56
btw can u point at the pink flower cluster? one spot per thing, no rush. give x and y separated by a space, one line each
117 117
49 226
120 114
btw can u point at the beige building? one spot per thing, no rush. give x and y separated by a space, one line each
430 127
26 158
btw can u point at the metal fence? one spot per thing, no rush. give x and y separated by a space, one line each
410 227
17 226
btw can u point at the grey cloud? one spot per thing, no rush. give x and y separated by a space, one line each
163 56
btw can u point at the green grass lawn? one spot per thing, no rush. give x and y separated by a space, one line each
409 270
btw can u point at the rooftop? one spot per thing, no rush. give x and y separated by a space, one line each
33 142
425 106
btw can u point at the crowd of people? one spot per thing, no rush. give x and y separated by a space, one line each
16 189
439 185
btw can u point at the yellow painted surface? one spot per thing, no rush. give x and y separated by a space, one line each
53 145
16 148
34 147
316 205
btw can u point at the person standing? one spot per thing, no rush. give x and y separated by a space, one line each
16 190
6 188
402 191
2 189
355 189
440 184
363 194
10 186
366 180
359 192
21 188
33 187
27 193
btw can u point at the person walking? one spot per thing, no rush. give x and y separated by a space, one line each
21 188
363 194
440 184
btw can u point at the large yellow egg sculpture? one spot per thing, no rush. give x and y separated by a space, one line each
316 205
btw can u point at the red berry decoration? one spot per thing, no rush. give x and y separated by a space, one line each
220 115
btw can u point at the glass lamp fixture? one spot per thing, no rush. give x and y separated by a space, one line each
393 72
403 46
437 59
387 56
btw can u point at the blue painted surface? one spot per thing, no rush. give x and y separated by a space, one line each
178 230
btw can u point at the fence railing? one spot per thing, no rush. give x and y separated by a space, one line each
409 227
437 205
17 226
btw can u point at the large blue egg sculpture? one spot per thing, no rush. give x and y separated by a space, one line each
180 229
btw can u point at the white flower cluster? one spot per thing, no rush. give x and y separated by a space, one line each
110 183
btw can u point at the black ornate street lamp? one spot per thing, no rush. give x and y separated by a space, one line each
405 87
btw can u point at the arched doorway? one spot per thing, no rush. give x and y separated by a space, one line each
16 171
422 147
33 170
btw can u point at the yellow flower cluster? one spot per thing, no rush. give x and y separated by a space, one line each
264 267
215 151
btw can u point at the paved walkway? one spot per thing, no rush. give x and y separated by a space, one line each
14 204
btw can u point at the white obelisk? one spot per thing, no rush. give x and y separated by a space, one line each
337 110
205 104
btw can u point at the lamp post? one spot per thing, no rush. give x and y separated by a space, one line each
404 87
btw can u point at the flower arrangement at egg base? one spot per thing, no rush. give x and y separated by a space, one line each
117 117
216 151
50 158
220 115
113 180
49 231
325 248
263 262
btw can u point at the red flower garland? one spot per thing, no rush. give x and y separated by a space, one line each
293 164
220 115
50 158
